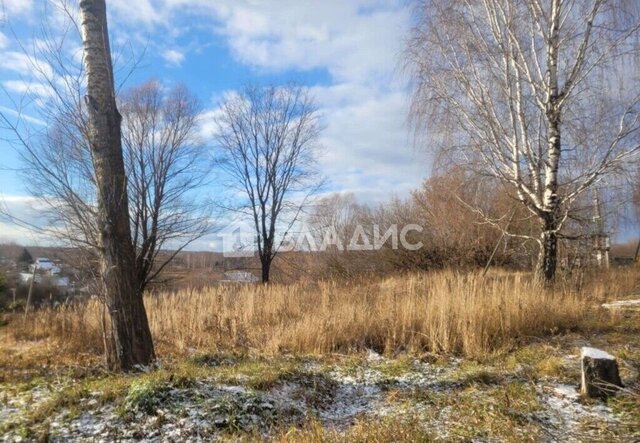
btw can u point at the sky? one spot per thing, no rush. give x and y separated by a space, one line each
348 52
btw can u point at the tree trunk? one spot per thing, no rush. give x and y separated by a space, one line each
548 255
266 269
129 342
547 258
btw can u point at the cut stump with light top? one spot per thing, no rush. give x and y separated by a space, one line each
600 375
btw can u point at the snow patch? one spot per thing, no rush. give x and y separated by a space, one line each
596 354
622 304
564 412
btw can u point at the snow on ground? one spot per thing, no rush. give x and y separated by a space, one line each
14 400
565 412
622 304
336 397
596 354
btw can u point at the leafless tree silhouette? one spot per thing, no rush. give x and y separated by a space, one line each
267 137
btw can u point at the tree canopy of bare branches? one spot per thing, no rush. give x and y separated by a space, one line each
543 95
267 138
164 165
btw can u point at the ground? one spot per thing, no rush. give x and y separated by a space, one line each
527 394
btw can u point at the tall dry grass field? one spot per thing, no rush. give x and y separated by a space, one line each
444 312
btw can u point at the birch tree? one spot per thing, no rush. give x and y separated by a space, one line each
541 94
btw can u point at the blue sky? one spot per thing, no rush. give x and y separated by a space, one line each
347 51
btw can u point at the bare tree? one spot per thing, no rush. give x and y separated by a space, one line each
163 161
130 341
336 215
267 137
542 95
166 166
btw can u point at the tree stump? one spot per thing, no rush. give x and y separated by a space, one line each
600 376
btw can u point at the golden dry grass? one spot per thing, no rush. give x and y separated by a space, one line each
444 312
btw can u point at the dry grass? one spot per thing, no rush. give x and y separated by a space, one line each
385 430
445 312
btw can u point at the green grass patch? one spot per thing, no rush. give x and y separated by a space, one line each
473 373
397 367
626 405
146 395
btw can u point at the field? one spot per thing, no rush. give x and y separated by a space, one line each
444 356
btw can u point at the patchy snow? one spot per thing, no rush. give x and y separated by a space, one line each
336 396
14 402
564 412
621 304
565 391
596 354
350 401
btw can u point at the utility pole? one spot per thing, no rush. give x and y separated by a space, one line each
33 278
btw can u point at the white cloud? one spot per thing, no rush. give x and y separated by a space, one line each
207 121
21 116
10 232
4 41
29 88
22 211
143 12
11 7
207 124
173 57
354 41
368 149
25 65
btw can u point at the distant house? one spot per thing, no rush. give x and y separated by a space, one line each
44 265
60 282
25 278
240 277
